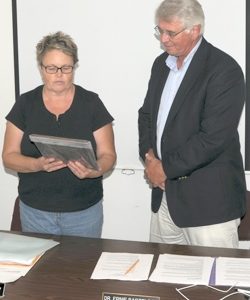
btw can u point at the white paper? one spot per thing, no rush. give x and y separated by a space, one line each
22 249
183 269
19 253
123 266
10 273
244 245
233 271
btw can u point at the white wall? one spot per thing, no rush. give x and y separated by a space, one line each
8 183
115 55
127 196
126 206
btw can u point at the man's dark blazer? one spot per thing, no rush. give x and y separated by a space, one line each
200 142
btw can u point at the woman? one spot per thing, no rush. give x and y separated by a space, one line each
56 197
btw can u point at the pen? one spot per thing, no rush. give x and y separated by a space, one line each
132 266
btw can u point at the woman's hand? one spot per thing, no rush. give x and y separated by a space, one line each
14 160
49 164
80 171
105 152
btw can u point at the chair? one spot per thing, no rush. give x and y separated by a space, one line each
244 228
16 222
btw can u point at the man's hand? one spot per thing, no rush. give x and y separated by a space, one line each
154 171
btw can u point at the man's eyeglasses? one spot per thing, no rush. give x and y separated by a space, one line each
171 34
54 69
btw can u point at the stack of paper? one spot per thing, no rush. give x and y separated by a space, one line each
19 253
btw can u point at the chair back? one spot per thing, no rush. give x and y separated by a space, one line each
244 228
16 222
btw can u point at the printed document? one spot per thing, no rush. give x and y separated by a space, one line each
233 271
185 269
182 269
123 266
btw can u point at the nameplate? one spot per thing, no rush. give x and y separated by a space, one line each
2 287
112 296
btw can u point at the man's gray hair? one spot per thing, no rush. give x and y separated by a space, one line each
189 12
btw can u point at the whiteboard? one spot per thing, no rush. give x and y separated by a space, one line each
116 50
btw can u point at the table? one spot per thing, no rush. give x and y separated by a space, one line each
64 272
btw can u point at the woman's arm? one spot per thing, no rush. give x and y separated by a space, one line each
14 160
106 155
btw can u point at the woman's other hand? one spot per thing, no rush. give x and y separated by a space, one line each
80 171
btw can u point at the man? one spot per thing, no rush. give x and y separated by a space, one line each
188 134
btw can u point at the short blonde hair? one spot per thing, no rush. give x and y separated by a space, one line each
59 41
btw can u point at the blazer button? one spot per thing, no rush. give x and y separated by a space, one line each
182 177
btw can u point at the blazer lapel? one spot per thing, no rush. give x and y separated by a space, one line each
158 92
193 73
